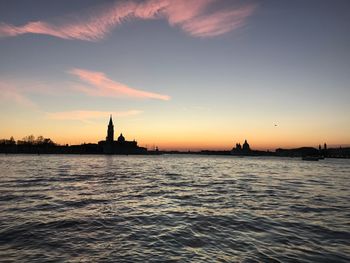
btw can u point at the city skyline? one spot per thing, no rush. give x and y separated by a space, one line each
112 137
177 74
120 145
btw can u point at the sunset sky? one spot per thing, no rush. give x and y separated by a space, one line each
179 74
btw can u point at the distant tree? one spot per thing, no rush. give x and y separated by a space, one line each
30 139
48 141
39 140
11 141
19 142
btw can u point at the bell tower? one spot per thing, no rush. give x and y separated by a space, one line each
110 131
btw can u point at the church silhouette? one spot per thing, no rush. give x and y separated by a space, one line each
120 146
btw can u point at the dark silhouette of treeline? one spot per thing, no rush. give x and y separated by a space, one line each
28 144
41 145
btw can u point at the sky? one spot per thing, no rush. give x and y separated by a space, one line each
177 74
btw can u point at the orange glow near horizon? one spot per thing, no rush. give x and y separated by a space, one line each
176 129
193 140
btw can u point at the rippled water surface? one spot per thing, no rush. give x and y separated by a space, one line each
173 209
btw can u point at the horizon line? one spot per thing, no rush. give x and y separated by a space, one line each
197 149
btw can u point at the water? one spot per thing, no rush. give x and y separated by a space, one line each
173 209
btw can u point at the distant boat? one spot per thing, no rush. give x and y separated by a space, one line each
311 158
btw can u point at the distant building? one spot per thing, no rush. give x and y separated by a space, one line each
241 150
110 131
121 146
246 147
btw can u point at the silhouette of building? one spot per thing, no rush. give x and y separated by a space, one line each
246 147
121 146
241 149
110 131
121 138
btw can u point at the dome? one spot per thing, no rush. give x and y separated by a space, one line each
121 138
246 146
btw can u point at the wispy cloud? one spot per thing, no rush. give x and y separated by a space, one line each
217 23
12 94
83 115
193 16
101 85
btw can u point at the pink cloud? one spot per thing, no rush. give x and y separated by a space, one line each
183 11
10 93
101 85
92 25
217 23
193 16
84 115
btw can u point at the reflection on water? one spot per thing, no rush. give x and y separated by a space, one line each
173 209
